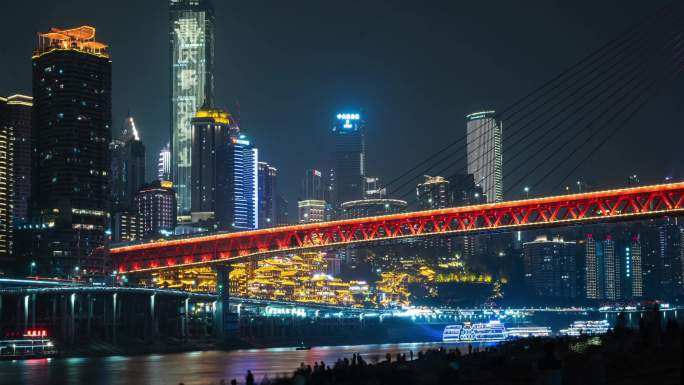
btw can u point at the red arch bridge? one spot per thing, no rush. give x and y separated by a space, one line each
593 207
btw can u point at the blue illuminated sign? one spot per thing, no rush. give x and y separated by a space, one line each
348 118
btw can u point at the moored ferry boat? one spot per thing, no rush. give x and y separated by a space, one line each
492 331
578 328
32 344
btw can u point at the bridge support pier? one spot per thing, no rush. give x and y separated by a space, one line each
72 318
114 318
154 326
184 313
225 323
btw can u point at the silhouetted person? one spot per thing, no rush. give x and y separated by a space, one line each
470 348
388 357
249 379
411 354
233 382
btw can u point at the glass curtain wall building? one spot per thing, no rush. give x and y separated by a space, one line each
349 162
191 37
237 183
484 153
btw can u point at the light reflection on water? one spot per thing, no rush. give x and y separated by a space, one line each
192 368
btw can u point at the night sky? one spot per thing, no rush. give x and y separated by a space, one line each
415 68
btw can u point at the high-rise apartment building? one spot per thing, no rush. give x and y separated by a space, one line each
372 207
237 184
267 176
550 267
282 211
210 129
612 278
591 266
17 124
484 153
128 166
433 193
349 161
633 268
71 161
156 208
191 37
164 163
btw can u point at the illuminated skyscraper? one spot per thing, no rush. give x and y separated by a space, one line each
671 259
267 195
164 163
312 185
433 193
550 269
191 35
349 162
211 128
128 166
156 208
633 270
71 163
311 210
591 265
17 120
612 279
484 153
237 185
15 169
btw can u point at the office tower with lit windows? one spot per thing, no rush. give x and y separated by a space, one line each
164 163
312 185
268 190
17 123
71 161
128 166
372 188
484 153
156 209
550 268
433 193
311 210
191 37
210 129
237 183
349 157
671 258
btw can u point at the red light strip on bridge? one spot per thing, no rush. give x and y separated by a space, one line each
611 205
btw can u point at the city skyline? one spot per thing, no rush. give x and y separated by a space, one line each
311 120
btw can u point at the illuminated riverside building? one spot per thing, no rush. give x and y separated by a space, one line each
71 164
311 210
633 269
128 166
604 264
156 209
312 185
210 129
6 190
237 183
372 207
671 259
267 176
164 163
433 193
550 268
349 160
191 37
16 122
484 153
591 266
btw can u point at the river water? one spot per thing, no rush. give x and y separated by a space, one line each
193 368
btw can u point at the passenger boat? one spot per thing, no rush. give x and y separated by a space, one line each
492 331
586 328
32 344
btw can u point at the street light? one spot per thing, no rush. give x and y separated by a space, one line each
33 267
527 192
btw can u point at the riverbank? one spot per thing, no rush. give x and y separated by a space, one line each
623 356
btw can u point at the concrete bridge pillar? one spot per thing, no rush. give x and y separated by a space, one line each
225 323
89 320
33 311
114 316
185 313
154 325
72 318
27 299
